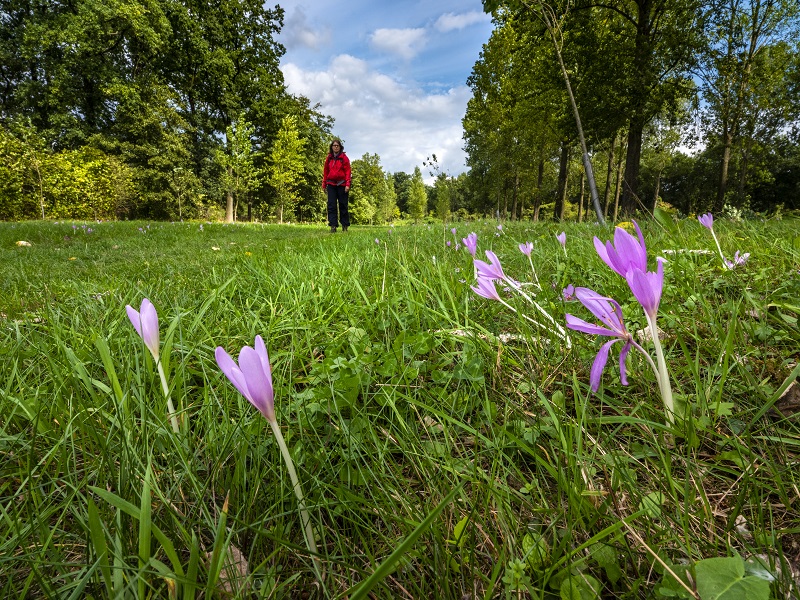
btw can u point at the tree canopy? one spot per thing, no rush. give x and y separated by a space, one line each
650 78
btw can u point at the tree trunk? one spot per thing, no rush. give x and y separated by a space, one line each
563 175
746 149
580 198
722 188
658 189
229 206
648 12
609 172
537 200
514 216
633 157
617 190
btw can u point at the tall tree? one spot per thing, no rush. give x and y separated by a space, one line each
417 196
387 209
240 175
286 166
402 189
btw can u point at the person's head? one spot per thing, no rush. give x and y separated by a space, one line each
336 146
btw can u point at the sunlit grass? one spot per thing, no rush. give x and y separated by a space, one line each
395 386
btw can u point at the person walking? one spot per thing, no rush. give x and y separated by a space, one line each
336 180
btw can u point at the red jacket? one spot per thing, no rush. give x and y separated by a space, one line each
336 171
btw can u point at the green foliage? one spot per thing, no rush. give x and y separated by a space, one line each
417 196
286 166
443 197
156 85
724 579
71 184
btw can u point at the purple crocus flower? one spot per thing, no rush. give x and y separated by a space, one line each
625 253
647 287
453 231
562 239
609 312
448 243
568 293
526 248
485 288
706 220
737 260
252 376
145 322
377 241
471 243
493 269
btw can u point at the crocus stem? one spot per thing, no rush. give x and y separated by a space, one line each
298 491
719 249
530 260
170 406
385 260
662 374
562 333
514 310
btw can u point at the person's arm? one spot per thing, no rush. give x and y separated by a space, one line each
346 174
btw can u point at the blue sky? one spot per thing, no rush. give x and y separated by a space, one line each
392 74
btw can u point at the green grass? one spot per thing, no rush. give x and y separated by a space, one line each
437 460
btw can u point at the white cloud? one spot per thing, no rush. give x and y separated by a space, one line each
405 43
451 21
377 114
297 32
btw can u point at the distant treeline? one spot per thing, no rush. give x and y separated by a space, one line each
163 109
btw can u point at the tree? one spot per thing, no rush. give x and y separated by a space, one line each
369 182
240 176
153 82
650 44
443 186
738 32
315 129
286 166
387 209
551 22
417 197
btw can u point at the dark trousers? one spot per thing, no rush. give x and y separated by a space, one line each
337 198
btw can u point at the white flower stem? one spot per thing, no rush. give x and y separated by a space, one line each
719 248
664 384
170 406
562 333
308 530
538 285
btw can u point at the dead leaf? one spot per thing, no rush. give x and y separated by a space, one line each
233 578
789 403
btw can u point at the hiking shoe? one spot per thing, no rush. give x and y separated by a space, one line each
333 229
344 227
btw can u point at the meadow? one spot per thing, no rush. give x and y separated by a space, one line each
447 446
